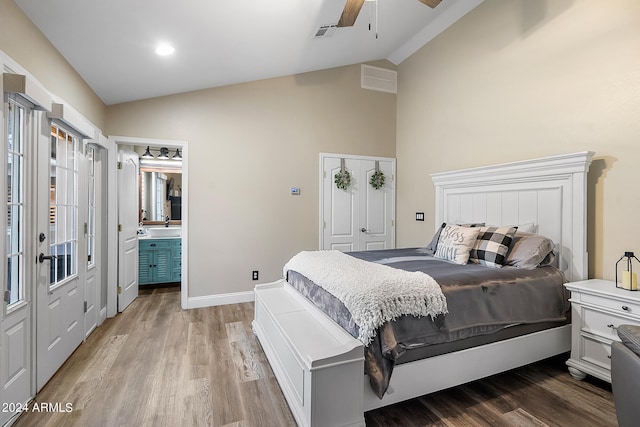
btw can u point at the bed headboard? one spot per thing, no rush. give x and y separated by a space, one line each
550 192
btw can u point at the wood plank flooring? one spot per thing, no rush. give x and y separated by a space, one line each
158 365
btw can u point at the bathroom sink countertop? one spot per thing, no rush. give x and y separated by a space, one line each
150 237
161 233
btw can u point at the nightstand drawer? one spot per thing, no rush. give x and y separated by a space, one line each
623 307
604 324
597 353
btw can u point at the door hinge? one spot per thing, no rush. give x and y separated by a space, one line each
7 294
119 290
119 165
392 223
85 306
324 224
119 227
324 174
86 228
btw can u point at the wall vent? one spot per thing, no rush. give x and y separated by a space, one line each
380 79
325 31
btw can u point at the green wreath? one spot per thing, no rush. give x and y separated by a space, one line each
377 180
342 179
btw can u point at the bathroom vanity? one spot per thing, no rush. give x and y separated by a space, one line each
159 260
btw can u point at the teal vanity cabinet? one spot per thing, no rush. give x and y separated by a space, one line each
159 261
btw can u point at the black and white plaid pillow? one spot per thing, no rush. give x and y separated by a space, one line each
492 245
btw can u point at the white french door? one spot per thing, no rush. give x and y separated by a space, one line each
359 217
16 368
91 230
59 289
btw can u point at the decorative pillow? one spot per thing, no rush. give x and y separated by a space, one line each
455 243
492 245
434 241
530 250
528 227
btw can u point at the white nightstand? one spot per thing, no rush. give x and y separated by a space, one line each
597 309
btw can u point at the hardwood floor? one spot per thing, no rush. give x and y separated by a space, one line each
158 365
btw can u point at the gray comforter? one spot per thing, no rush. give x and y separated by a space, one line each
480 300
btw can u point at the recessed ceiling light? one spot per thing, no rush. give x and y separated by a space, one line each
165 49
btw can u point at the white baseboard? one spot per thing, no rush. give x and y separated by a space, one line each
220 299
102 316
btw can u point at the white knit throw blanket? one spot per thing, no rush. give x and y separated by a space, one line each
373 293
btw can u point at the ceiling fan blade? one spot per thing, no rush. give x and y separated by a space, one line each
430 3
350 13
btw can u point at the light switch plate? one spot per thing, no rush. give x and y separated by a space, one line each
295 191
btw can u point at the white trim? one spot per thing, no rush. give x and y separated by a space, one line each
102 315
220 299
445 15
29 89
113 212
112 227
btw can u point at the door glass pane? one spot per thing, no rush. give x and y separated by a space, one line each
91 207
16 131
63 207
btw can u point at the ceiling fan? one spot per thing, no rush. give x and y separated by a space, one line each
352 9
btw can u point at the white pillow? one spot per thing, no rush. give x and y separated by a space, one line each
456 242
529 227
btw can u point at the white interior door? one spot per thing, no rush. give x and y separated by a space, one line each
128 225
16 371
360 217
376 220
340 215
59 292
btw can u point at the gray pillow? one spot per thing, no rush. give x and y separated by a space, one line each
434 241
529 250
630 336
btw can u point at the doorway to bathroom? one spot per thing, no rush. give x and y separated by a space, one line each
152 217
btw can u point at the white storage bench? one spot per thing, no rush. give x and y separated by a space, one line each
319 366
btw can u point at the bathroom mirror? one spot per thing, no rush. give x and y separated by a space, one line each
160 191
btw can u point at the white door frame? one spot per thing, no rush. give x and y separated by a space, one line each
114 141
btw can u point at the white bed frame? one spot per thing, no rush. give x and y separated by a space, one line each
319 366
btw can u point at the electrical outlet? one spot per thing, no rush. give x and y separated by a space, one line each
254 275
419 216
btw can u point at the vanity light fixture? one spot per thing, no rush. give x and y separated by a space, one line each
163 160
164 153
147 154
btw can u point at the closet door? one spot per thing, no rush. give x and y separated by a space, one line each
359 217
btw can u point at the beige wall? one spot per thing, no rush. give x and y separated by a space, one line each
248 144
518 79
25 44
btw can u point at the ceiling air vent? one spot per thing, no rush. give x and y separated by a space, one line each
325 31
380 79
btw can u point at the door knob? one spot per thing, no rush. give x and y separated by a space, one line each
364 230
43 257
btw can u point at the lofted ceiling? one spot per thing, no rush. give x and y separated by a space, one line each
221 42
